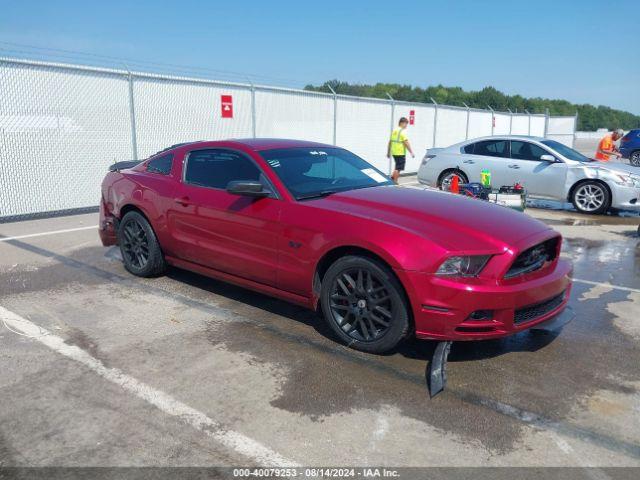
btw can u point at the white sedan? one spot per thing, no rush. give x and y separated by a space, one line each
547 169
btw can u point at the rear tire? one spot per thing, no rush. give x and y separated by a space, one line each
444 180
139 246
634 158
591 197
364 304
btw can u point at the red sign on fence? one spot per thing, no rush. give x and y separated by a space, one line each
412 117
226 102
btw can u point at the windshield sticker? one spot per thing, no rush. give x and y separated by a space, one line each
371 173
274 163
315 152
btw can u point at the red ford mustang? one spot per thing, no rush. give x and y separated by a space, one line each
318 226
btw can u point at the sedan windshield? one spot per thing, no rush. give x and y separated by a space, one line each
317 172
566 152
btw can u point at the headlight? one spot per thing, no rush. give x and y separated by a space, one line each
467 266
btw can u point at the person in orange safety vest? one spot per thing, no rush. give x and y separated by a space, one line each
607 147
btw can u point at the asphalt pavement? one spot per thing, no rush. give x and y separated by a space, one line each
100 368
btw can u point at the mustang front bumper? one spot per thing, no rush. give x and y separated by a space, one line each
451 309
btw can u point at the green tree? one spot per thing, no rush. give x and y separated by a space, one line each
589 117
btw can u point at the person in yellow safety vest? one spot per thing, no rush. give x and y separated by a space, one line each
398 146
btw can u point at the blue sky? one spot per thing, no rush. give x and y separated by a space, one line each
583 51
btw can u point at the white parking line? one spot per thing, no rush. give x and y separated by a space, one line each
609 285
52 232
163 401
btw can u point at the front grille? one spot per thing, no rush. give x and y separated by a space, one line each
534 258
538 310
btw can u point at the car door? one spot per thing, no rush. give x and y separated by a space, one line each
541 178
491 155
230 233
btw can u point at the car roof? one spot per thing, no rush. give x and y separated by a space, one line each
273 143
506 137
256 144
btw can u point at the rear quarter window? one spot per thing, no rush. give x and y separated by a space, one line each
161 165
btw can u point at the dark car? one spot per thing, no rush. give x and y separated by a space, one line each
317 225
630 147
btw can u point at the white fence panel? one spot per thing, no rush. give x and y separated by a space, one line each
538 123
286 114
62 125
420 133
562 129
520 125
452 126
502 124
479 124
169 112
364 127
59 131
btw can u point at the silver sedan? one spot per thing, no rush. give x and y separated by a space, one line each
547 169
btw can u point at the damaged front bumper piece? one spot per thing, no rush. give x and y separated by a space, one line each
437 368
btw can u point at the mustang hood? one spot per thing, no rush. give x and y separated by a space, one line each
452 221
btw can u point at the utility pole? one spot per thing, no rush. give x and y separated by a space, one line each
393 108
335 114
493 119
435 121
132 114
466 133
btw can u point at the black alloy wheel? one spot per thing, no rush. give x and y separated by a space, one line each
135 245
361 304
364 304
139 246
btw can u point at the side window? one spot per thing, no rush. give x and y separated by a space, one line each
492 148
469 148
161 165
526 151
215 168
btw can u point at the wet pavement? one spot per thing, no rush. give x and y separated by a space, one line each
274 373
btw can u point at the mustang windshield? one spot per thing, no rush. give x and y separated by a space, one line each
567 152
317 172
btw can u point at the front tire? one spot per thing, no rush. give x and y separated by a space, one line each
591 197
139 246
634 158
364 304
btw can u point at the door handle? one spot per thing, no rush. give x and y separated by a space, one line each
184 201
514 166
468 161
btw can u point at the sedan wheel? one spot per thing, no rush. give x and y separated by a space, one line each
447 177
591 197
634 159
364 304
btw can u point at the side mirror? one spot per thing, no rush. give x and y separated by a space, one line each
247 188
547 158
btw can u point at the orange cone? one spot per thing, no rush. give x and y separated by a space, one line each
455 184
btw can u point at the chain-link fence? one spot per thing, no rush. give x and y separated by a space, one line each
62 125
